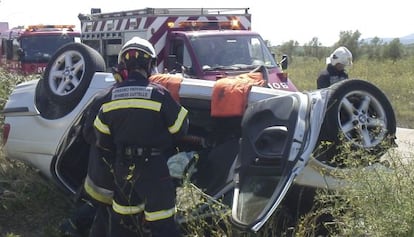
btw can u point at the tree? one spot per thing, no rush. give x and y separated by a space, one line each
289 48
376 43
394 50
373 48
314 49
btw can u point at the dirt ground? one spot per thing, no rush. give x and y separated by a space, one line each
405 142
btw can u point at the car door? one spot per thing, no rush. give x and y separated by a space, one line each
274 134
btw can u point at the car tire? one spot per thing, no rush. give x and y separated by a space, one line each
70 71
360 113
47 107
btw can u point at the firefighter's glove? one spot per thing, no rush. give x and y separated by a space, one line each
178 164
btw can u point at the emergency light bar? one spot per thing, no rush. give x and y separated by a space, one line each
49 27
199 25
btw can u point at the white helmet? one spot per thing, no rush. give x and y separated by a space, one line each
138 52
341 55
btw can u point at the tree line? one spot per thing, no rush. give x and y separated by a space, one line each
375 49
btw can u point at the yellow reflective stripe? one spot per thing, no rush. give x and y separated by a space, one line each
127 210
159 215
131 104
179 121
98 193
103 128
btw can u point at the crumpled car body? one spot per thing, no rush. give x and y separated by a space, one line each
262 142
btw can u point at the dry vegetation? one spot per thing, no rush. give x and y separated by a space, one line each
30 205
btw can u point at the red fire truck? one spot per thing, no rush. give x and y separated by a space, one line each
204 43
28 49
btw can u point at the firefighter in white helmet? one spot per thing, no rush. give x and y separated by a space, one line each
335 70
139 123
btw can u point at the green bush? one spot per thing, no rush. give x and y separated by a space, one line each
8 81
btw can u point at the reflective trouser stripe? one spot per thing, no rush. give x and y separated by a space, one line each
98 193
127 210
159 215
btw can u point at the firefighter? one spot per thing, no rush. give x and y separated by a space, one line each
335 70
138 123
96 201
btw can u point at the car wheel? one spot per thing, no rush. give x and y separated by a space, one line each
47 107
360 114
69 72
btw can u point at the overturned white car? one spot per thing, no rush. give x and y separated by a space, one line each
261 142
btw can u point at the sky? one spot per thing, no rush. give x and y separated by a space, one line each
279 22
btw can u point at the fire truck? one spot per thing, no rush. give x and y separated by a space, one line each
28 49
203 43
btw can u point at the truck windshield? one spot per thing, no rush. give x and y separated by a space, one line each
237 51
40 48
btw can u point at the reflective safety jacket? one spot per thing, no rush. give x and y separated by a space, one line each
330 76
139 113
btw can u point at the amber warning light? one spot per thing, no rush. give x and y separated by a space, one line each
49 27
205 25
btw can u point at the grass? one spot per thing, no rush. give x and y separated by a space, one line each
31 205
396 80
378 201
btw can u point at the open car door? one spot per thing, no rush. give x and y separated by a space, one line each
274 136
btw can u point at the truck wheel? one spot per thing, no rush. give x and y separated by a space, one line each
358 113
69 72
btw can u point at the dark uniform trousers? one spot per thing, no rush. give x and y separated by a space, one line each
143 188
99 185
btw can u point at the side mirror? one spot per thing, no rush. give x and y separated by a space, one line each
172 63
284 62
20 53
